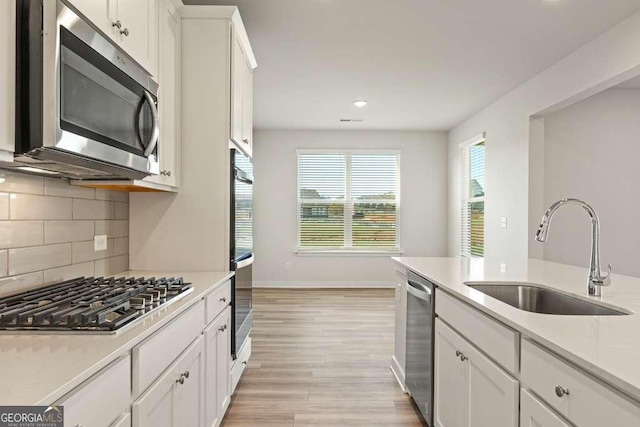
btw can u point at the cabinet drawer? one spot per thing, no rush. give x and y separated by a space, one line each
218 300
534 413
590 403
101 399
153 355
123 421
496 340
240 364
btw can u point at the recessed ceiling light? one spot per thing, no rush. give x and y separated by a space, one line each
360 103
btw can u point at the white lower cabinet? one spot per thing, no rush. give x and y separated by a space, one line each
534 413
470 389
176 399
217 368
100 400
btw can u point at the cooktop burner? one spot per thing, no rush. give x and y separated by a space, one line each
96 305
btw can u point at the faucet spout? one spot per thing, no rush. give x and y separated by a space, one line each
596 278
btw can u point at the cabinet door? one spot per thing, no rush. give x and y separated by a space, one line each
451 380
238 68
534 413
169 96
218 353
190 399
493 393
168 401
7 77
247 107
138 35
103 13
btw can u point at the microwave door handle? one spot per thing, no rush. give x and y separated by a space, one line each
155 134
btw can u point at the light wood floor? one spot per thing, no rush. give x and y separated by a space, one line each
321 357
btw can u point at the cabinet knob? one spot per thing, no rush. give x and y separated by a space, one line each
223 328
244 363
125 32
117 24
168 173
223 299
186 374
246 141
463 357
561 391
181 379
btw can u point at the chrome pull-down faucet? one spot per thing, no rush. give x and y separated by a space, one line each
596 278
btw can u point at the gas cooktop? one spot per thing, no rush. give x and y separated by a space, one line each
90 305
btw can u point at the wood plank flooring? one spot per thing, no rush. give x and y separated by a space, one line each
321 358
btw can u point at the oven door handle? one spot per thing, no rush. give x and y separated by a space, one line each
245 262
418 290
155 133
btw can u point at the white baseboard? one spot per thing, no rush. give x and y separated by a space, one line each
398 372
322 285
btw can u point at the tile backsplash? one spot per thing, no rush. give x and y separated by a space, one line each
47 228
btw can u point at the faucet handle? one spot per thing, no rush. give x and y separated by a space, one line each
606 277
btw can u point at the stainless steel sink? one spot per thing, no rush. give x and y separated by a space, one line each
537 299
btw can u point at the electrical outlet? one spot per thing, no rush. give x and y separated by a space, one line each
503 222
100 243
503 267
287 265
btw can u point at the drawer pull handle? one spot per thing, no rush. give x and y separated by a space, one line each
181 379
223 299
561 391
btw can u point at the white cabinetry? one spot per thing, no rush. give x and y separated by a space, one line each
470 390
167 27
218 364
176 399
241 95
102 399
130 23
534 413
7 78
400 339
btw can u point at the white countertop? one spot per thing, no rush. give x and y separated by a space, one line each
38 369
607 346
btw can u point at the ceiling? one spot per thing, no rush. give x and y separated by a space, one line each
421 64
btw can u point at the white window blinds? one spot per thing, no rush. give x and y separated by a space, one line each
472 227
348 200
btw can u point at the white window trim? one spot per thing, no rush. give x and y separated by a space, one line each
348 251
480 138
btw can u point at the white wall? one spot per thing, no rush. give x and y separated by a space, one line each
422 214
607 60
592 152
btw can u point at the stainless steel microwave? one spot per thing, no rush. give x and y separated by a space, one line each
84 108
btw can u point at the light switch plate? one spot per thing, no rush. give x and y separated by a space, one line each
100 243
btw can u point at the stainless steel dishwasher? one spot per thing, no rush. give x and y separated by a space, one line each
420 343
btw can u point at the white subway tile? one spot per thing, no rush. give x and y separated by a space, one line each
68 231
93 209
25 260
114 196
4 263
23 282
122 210
27 206
62 188
86 269
115 228
17 234
4 206
121 246
83 251
112 266
22 183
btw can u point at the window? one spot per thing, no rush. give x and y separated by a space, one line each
473 198
348 200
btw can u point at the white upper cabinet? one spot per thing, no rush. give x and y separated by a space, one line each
470 390
169 95
130 23
7 78
242 65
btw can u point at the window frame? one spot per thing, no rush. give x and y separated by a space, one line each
348 207
465 200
